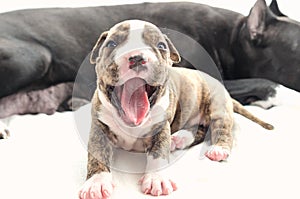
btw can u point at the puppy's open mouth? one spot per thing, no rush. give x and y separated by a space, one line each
133 99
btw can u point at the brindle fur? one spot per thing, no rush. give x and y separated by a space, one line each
206 109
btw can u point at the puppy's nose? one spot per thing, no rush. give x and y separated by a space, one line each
136 62
137 59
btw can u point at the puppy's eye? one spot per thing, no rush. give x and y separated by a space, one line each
111 44
162 45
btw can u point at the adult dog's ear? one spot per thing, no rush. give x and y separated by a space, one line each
95 51
275 9
258 19
175 57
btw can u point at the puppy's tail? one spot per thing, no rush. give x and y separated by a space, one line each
238 108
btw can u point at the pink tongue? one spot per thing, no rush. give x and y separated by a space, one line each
134 100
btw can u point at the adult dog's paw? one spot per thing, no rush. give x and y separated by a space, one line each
4 132
156 185
217 153
99 186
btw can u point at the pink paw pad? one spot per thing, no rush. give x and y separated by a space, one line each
181 140
217 153
177 143
99 186
156 185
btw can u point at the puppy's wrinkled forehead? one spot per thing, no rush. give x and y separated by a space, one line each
134 35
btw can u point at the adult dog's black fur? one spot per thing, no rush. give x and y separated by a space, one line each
41 48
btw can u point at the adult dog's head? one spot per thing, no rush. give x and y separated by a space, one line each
132 61
266 44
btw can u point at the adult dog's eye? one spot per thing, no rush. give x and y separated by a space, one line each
111 44
162 45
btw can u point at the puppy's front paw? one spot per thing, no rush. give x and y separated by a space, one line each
99 186
156 185
4 132
217 153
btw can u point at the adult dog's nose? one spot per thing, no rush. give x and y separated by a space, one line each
137 62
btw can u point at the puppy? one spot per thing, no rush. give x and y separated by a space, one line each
141 100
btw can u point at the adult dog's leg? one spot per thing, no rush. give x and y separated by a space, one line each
4 131
46 101
247 91
22 63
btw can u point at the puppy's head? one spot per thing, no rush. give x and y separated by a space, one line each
132 61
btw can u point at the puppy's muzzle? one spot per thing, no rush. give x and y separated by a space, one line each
137 90
137 63
133 99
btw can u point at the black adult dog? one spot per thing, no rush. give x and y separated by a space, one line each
44 48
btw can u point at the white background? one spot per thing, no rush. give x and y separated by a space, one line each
289 8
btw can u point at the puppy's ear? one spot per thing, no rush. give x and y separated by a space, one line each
175 57
95 51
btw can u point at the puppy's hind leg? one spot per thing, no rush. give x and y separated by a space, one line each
186 138
221 139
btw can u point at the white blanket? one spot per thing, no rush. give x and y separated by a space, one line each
46 158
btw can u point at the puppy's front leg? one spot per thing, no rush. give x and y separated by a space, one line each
156 182
100 150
